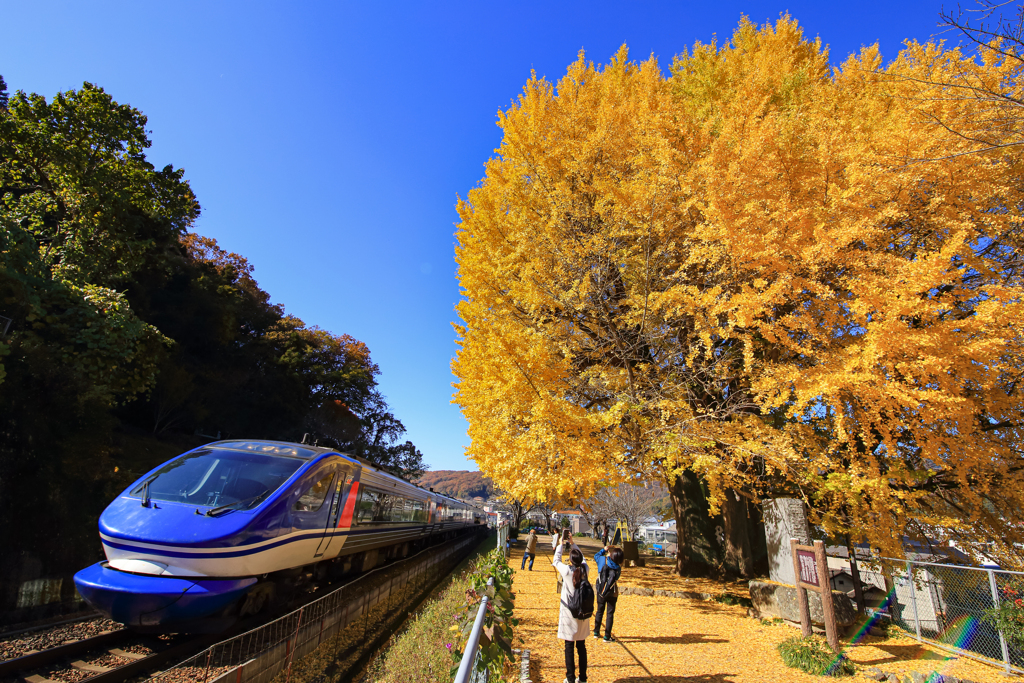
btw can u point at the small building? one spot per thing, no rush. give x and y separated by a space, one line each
577 522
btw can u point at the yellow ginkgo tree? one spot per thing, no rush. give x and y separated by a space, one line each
756 276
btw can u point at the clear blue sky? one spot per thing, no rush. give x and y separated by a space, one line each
327 141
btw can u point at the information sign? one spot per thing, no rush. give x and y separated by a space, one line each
810 569
808 566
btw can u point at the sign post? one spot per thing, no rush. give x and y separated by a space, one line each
810 566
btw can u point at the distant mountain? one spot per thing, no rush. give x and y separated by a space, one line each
457 483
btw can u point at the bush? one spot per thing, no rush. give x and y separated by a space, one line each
813 655
1009 616
496 642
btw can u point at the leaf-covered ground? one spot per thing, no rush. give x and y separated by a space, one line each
676 640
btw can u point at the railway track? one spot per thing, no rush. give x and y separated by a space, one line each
111 657
120 655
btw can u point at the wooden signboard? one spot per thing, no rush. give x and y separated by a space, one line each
810 567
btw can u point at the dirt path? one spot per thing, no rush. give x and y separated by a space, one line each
676 640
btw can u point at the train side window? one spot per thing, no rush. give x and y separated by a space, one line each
314 497
401 510
383 510
409 510
367 505
418 513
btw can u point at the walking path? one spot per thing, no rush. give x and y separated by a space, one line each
677 640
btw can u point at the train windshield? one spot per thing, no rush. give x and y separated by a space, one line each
216 477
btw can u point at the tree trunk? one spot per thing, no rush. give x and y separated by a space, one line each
858 590
738 555
517 515
695 528
757 539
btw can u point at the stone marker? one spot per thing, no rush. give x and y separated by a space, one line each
784 518
773 600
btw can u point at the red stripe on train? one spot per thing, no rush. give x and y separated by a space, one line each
350 504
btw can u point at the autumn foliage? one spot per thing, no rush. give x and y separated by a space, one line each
457 483
780 278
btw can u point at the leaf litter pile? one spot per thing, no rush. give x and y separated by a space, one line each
671 640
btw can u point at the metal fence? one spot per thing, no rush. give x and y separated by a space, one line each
945 605
268 651
468 671
503 538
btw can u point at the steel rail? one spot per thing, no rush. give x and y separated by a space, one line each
34 660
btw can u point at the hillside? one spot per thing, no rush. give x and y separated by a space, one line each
457 483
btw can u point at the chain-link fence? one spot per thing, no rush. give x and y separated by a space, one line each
953 607
341 617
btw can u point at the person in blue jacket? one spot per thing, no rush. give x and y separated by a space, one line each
609 568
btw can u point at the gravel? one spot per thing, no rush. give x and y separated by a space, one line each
52 637
113 661
70 675
137 649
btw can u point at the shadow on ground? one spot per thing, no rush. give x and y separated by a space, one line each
685 639
712 678
902 653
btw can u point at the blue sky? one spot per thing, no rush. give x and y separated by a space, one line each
327 141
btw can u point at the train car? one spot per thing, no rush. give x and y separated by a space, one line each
226 529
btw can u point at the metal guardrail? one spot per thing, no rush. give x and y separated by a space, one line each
467 667
944 605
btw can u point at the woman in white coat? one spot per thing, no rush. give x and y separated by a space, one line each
571 629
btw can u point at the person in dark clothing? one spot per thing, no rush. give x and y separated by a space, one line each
609 568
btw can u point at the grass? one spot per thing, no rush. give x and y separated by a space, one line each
421 651
725 598
813 655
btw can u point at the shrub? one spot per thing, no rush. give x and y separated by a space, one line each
730 599
1009 616
496 641
813 655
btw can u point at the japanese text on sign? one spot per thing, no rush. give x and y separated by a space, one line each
808 567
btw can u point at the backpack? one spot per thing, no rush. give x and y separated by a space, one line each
609 591
581 602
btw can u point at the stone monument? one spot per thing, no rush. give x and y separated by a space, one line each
784 518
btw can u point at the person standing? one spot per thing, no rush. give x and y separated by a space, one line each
570 629
562 544
531 549
609 568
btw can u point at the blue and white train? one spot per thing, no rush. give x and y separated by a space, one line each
222 530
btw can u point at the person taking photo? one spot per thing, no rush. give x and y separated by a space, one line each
571 629
609 568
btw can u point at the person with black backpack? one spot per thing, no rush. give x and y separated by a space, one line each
609 568
577 606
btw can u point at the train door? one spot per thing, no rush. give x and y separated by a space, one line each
335 510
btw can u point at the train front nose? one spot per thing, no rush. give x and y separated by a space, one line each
157 603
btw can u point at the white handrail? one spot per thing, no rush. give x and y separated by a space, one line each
470 653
